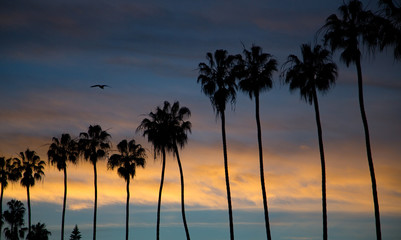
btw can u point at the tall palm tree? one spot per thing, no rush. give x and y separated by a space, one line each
178 128
32 171
256 77
217 78
316 71
93 145
14 216
9 171
165 129
60 152
155 129
131 155
354 29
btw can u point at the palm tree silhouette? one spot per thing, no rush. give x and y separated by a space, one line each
256 77
93 145
355 28
391 26
178 128
315 71
39 232
131 155
9 171
165 128
60 152
14 216
32 171
155 129
217 78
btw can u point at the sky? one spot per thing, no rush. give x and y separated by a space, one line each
51 52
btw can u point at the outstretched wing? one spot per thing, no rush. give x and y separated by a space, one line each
97 85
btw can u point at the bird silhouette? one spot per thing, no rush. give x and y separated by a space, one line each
100 86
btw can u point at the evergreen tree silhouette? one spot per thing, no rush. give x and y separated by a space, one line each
75 234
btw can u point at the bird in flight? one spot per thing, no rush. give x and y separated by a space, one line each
100 86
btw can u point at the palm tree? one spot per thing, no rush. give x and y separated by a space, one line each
15 218
315 71
32 171
155 129
60 152
9 171
93 145
391 26
39 232
217 78
165 128
356 28
178 128
131 155
256 77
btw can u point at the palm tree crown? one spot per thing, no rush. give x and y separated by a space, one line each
32 168
256 71
131 155
63 150
391 26
316 70
218 79
94 144
354 28
9 171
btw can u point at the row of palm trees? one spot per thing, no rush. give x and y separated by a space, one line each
166 129
352 30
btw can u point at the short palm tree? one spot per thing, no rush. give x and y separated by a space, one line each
316 71
257 69
39 232
217 78
9 172
93 145
131 155
14 216
351 31
165 128
60 152
32 171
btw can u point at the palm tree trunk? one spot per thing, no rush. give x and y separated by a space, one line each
262 174
230 211
368 150
160 194
29 209
323 164
1 210
127 212
182 193
95 207
64 203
